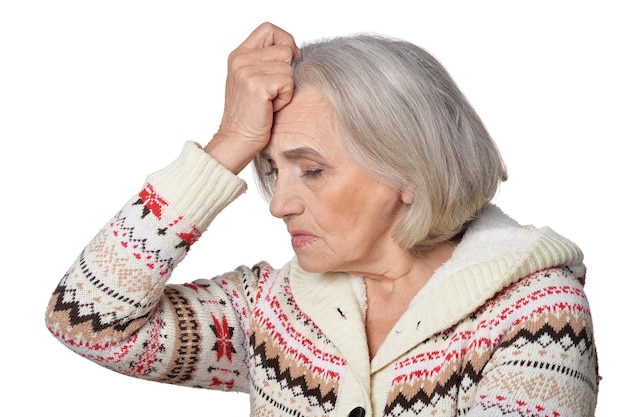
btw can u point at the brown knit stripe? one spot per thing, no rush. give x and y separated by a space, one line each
283 372
558 326
88 329
430 386
187 349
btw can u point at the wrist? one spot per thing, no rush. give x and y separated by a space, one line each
234 155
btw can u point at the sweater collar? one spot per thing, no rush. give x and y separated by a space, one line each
330 301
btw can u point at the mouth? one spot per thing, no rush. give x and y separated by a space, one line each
301 238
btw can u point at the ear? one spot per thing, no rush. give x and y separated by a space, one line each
407 197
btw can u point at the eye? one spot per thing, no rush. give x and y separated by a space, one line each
312 172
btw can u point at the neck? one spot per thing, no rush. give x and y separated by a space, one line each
402 271
390 293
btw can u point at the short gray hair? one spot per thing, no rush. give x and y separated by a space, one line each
407 123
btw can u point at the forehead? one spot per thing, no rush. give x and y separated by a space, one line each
307 121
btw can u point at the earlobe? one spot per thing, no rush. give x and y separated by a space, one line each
407 197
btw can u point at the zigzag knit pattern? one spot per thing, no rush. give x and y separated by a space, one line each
489 352
290 357
243 331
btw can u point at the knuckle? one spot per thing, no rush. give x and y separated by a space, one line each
237 59
266 25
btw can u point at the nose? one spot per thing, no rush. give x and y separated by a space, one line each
285 201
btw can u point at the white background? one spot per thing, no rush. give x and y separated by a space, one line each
96 95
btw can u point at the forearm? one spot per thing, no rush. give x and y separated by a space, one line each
116 283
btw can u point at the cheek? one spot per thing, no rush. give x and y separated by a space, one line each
356 211
334 210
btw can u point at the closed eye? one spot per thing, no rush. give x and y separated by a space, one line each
312 172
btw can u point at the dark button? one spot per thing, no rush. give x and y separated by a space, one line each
357 412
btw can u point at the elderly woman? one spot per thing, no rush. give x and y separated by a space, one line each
409 293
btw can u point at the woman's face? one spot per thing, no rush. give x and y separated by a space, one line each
339 217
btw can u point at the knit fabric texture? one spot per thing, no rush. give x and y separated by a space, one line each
502 329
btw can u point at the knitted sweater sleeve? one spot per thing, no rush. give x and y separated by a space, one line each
544 361
113 306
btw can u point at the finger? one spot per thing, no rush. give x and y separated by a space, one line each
253 57
282 98
270 81
267 34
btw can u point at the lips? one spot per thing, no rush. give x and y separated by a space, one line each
301 238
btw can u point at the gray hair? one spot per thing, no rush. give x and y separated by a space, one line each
407 123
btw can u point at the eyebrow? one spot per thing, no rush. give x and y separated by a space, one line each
295 153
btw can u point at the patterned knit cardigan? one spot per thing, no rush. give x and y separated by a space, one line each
503 328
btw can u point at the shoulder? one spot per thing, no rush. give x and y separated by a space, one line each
551 286
548 306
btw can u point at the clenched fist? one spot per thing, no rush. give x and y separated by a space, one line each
259 83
